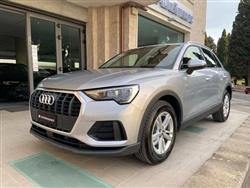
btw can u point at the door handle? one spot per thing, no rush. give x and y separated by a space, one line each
208 79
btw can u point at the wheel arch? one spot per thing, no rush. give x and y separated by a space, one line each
229 90
170 97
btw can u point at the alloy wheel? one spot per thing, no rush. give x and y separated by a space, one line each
162 132
226 105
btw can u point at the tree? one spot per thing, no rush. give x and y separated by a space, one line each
209 42
239 47
222 48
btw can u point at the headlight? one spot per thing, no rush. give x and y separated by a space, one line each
122 95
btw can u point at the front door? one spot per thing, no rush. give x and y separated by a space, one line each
195 85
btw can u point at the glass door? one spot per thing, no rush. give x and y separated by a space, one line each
43 49
71 48
56 47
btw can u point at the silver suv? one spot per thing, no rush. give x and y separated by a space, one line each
134 103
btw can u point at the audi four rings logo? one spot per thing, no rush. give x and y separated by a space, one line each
46 99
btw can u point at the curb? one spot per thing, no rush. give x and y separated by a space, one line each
246 183
229 165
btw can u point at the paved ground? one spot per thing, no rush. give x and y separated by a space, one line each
193 148
246 183
228 165
241 102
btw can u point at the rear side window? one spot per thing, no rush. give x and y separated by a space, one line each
210 58
216 60
192 52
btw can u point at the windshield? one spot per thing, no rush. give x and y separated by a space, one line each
148 57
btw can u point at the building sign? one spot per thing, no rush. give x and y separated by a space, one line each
175 10
174 7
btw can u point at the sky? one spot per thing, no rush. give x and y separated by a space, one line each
220 15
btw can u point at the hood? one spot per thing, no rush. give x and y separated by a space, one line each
100 78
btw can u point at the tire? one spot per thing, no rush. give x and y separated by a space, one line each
220 116
153 153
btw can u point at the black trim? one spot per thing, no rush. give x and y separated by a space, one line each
107 131
78 147
229 85
200 116
150 105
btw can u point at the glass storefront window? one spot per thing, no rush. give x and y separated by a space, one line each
43 49
151 32
71 48
14 85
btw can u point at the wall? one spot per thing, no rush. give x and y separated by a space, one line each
198 27
104 39
59 7
197 31
102 34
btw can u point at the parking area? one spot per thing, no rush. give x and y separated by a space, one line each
20 150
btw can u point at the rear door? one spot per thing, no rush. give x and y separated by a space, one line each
214 79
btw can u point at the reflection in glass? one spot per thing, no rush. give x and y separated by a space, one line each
71 48
43 49
151 32
13 58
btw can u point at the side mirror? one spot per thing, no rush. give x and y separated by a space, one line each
194 64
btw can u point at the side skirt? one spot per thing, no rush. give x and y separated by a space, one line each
200 116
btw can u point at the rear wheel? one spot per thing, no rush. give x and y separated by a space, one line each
159 133
222 114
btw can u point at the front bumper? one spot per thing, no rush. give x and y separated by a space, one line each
91 112
76 146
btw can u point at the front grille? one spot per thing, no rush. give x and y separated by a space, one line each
65 103
64 111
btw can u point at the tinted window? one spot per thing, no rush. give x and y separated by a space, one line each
216 60
210 58
148 57
191 53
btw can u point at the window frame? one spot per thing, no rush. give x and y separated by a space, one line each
218 60
214 56
192 45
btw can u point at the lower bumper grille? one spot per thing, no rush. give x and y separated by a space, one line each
67 141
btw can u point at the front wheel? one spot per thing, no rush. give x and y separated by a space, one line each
222 114
159 133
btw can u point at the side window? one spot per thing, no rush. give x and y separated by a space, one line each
191 53
210 58
216 60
